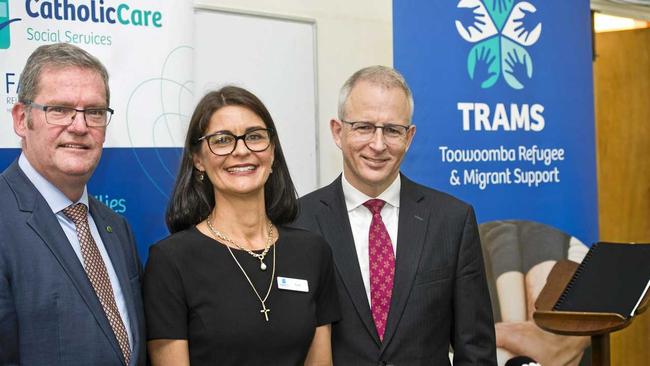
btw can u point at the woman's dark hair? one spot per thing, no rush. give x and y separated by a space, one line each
193 199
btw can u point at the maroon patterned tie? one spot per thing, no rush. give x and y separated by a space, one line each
98 275
382 266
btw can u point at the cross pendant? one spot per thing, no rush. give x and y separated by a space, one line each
265 311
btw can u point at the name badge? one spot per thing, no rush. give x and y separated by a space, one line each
293 284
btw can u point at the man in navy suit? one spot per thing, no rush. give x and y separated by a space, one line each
69 271
409 265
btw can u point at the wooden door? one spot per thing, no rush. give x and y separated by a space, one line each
622 95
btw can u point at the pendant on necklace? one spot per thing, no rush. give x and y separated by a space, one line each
265 311
262 265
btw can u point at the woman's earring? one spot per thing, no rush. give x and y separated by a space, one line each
201 175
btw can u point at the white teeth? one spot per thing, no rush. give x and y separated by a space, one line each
73 146
241 169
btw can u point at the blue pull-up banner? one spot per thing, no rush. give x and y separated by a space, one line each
503 106
504 112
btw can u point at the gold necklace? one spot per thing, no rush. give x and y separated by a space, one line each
225 237
265 310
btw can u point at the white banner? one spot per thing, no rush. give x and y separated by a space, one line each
145 45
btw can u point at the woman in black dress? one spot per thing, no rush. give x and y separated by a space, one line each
232 285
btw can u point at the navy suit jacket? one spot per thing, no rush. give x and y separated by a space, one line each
49 312
440 297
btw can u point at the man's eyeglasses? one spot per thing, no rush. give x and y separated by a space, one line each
64 116
366 130
224 142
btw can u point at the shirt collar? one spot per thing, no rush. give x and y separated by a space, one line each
53 196
355 198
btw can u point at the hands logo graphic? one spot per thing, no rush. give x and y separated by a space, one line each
500 30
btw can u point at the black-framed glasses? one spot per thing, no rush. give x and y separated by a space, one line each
224 142
365 130
64 116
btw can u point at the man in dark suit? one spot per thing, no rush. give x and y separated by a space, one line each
410 270
69 272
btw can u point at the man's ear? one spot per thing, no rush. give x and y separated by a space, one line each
20 117
336 127
409 136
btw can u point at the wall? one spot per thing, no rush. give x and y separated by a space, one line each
629 10
350 35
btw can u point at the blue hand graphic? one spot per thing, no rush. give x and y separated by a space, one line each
526 23
500 5
484 59
473 19
518 66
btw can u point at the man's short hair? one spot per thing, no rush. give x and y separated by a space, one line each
58 56
383 76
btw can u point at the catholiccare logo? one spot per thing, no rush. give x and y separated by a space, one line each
93 11
501 31
64 12
5 39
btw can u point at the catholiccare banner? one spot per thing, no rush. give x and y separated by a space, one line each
145 48
504 114
154 51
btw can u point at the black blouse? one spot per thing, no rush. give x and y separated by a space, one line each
194 290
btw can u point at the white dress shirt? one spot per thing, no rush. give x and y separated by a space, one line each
57 202
360 219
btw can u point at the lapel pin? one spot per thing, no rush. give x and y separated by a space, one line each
109 229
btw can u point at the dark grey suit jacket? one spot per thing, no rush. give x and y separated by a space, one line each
440 297
49 313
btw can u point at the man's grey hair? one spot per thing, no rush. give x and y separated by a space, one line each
380 75
57 56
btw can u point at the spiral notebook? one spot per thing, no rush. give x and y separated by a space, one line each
613 278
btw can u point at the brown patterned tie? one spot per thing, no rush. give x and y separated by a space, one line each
98 275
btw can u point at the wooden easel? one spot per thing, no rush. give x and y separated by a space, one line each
596 325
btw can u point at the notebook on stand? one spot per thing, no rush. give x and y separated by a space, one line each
613 278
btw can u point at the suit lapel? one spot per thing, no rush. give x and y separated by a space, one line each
412 228
114 249
334 223
47 227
